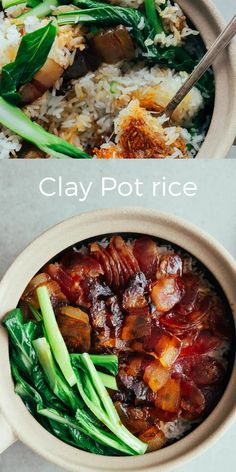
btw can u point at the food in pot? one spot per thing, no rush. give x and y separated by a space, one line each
121 345
87 80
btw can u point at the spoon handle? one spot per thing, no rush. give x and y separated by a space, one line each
218 46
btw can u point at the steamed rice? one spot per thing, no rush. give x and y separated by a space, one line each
97 98
87 113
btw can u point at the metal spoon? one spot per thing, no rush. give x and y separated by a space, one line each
218 46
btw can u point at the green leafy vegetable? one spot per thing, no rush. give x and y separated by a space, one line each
20 338
55 380
54 336
14 119
57 406
153 16
33 3
11 3
32 330
107 414
107 361
40 9
109 381
31 56
25 390
82 426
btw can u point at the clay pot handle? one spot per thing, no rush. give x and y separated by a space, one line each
7 437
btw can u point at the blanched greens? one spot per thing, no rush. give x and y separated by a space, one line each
153 16
107 361
75 414
143 24
54 336
40 9
99 13
31 56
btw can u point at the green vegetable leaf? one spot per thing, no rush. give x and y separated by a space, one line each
93 387
31 56
40 383
25 390
32 330
35 312
55 380
108 15
106 361
19 336
100 13
81 428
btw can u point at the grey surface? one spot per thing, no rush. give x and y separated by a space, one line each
228 10
24 214
227 7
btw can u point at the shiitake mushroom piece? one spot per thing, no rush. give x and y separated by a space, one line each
84 61
114 45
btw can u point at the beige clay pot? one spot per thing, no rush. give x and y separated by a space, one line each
17 422
222 131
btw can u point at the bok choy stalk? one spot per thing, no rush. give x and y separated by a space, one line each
35 402
14 119
31 398
109 381
56 382
25 390
79 437
11 3
45 390
85 427
107 361
22 351
41 10
106 413
110 364
20 339
153 16
85 423
54 335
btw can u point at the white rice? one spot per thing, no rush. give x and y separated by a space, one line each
174 430
97 98
9 144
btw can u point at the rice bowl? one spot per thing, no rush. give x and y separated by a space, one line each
153 314
203 247
91 111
